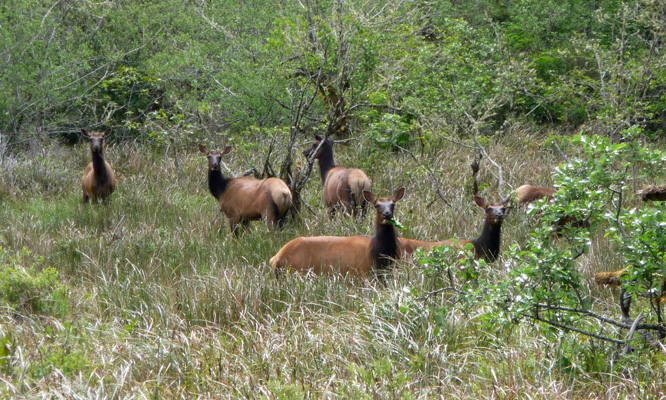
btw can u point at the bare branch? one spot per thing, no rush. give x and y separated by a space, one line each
630 336
435 181
572 329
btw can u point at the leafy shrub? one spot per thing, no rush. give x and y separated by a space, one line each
68 362
391 131
544 283
548 67
27 287
129 95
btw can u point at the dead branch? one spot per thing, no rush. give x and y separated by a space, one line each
630 336
626 324
572 329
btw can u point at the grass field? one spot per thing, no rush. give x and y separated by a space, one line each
150 296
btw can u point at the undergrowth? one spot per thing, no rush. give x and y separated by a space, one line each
150 296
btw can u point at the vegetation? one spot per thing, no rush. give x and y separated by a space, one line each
150 296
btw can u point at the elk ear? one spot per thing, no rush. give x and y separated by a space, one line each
369 197
203 149
480 202
226 150
317 137
85 133
398 194
106 133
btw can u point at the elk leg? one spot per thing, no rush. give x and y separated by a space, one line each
233 224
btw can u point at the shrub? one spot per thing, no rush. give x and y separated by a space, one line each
28 287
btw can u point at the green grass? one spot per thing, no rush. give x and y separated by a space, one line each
162 301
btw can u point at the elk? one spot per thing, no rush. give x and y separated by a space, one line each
611 278
527 194
354 255
343 187
99 180
653 193
486 246
246 199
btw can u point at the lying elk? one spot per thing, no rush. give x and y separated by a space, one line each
527 194
343 187
486 246
353 255
99 181
246 199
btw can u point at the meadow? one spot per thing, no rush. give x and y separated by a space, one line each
151 296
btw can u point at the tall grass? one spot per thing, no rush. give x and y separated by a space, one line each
163 302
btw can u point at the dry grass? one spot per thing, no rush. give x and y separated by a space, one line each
162 302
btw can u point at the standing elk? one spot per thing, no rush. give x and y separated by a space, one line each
353 255
486 246
246 199
343 187
99 180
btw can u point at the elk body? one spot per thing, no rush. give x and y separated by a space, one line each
354 255
527 194
486 246
343 187
246 199
99 180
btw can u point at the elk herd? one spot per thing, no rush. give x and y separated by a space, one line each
345 190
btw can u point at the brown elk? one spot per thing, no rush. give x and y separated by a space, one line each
527 194
353 255
653 193
246 199
99 180
343 187
611 278
486 246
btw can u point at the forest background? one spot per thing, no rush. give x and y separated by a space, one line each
150 296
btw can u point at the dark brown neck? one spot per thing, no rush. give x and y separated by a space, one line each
99 167
217 183
325 161
384 245
487 246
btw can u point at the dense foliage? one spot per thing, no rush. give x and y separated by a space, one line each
394 70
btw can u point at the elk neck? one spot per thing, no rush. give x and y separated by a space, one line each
217 183
384 245
325 161
99 166
487 245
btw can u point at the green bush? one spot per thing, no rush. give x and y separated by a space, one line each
391 131
128 96
28 287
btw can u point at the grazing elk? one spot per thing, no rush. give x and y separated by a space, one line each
246 199
343 187
353 255
99 180
486 246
